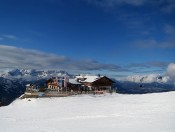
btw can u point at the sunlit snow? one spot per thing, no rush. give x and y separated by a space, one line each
91 113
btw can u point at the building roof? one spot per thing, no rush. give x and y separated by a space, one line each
73 81
27 85
89 78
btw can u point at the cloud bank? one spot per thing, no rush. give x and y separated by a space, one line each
148 78
169 77
13 57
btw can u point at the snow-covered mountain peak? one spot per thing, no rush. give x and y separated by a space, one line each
33 73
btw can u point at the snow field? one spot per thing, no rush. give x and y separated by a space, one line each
89 113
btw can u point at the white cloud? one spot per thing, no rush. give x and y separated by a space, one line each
110 3
13 57
152 43
167 43
8 37
167 6
12 37
158 64
171 71
169 77
169 29
148 78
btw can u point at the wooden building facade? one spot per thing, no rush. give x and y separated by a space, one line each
102 83
95 83
52 84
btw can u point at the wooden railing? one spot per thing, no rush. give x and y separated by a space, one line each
59 94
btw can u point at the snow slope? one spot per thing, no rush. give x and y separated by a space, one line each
89 113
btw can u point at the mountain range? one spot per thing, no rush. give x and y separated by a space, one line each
12 83
32 74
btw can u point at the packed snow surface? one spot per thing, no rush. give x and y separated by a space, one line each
91 113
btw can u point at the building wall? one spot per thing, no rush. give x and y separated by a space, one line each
53 85
103 82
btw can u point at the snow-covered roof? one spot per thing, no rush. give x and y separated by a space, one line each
27 85
73 81
89 78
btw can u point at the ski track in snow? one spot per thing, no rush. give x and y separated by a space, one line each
89 113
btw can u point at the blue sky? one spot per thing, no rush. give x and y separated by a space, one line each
115 37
